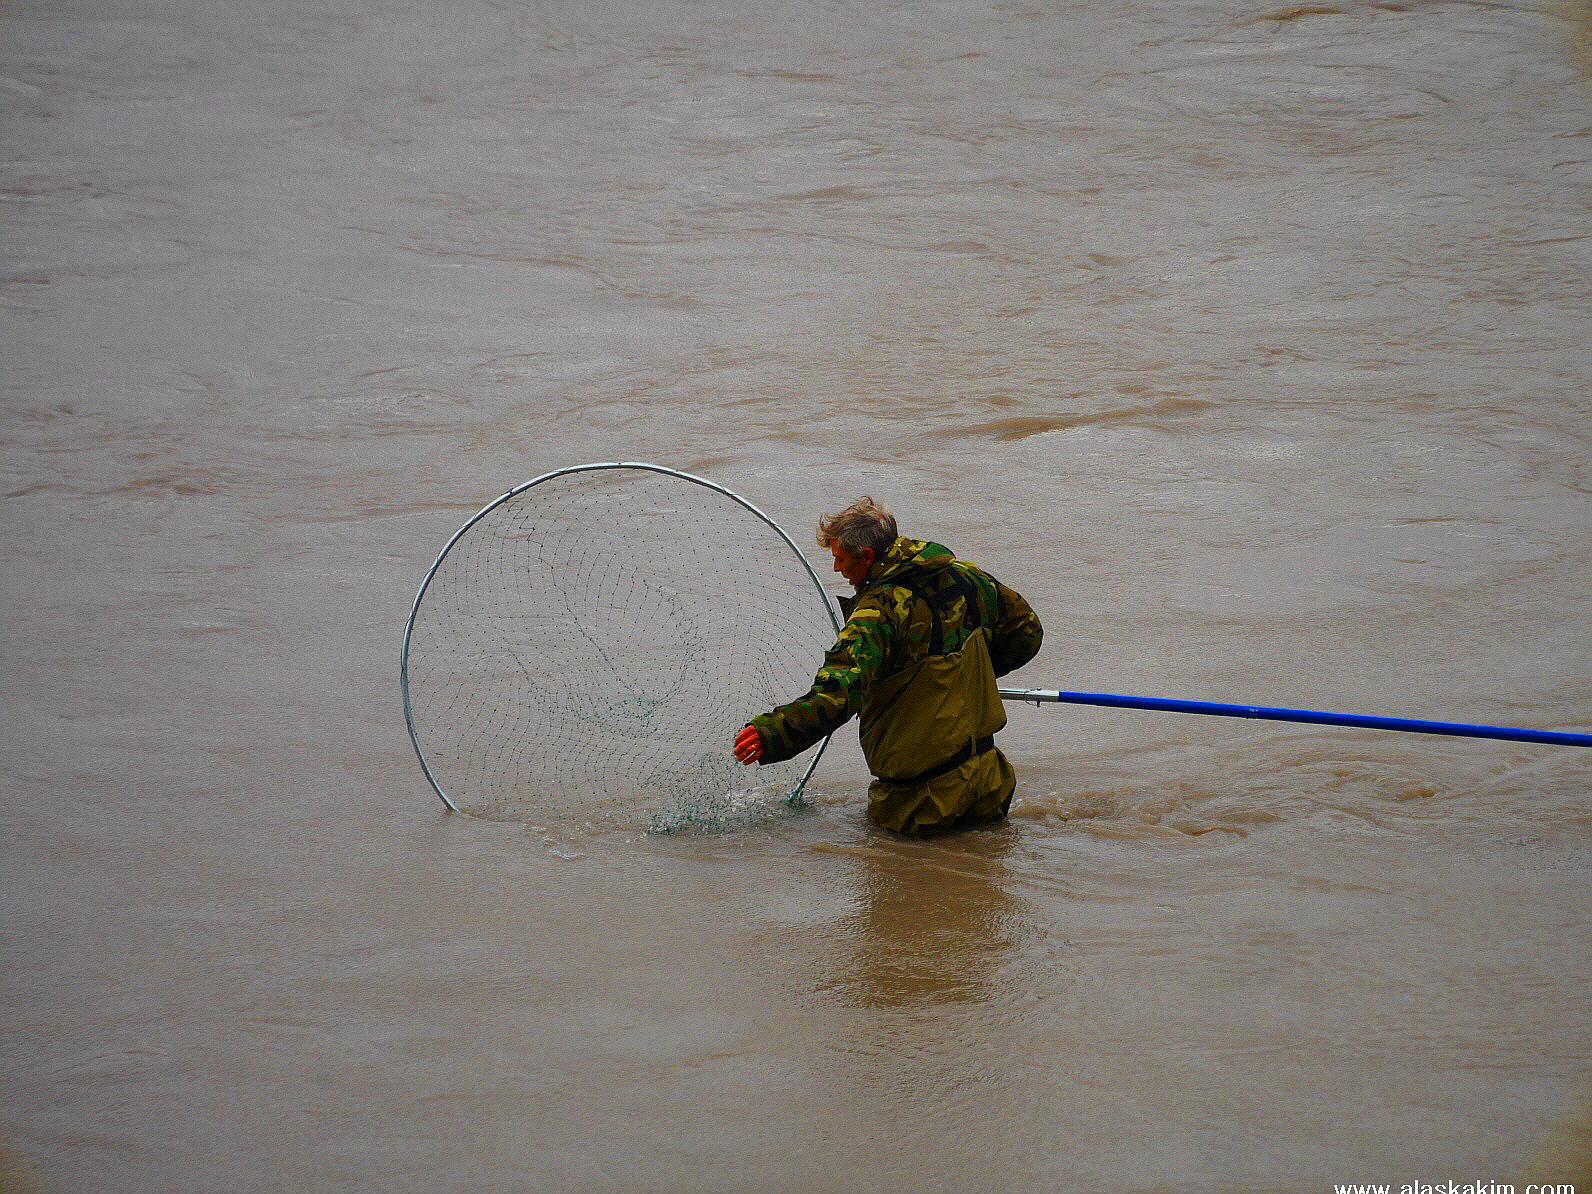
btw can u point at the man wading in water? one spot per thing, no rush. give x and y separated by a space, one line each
924 639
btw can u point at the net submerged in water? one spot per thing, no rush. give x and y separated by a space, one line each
589 645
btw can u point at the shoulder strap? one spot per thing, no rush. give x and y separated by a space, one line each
940 600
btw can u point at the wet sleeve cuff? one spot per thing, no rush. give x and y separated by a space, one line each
776 748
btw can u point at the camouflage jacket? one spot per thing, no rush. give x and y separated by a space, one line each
889 628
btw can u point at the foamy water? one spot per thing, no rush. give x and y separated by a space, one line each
1248 343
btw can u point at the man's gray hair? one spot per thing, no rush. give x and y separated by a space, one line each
863 524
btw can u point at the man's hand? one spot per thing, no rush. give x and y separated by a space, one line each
749 745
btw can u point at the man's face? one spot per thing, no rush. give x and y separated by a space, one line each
853 567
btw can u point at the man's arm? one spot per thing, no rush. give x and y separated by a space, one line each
850 668
1016 635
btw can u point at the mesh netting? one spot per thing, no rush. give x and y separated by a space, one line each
589 646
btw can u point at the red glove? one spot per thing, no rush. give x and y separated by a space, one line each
749 745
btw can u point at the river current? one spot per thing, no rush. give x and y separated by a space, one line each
1248 341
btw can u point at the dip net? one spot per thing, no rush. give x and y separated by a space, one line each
587 647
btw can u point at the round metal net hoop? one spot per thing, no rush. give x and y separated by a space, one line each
588 646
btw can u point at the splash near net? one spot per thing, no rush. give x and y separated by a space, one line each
588 645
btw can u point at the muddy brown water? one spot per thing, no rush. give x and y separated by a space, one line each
1248 342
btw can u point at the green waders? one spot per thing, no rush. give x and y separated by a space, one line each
928 735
